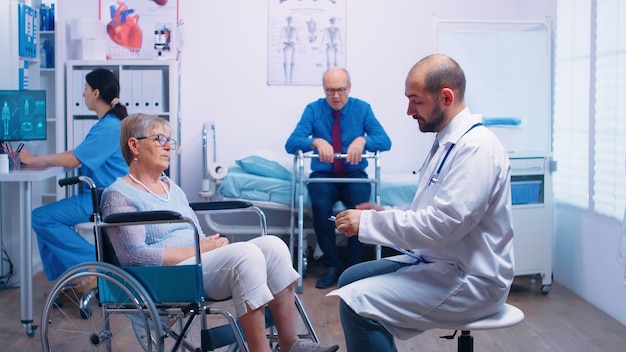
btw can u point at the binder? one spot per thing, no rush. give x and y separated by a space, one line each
78 87
27 21
138 102
126 89
77 133
81 127
23 75
153 88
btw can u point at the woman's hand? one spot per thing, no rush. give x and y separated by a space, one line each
27 158
212 242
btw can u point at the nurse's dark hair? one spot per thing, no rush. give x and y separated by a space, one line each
138 125
107 83
442 71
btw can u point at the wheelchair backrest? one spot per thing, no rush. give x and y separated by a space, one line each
165 284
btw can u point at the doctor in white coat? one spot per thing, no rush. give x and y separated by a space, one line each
459 226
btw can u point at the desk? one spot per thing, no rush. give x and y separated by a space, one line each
25 178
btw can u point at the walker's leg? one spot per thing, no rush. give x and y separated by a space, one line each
465 342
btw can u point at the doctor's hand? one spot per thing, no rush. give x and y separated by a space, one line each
369 206
348 222
324 150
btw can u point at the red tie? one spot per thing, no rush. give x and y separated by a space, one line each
338 164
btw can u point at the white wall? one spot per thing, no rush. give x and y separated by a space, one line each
223 80
585 258
224 64
224 60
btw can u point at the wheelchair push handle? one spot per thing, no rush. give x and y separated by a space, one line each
69 181
95 199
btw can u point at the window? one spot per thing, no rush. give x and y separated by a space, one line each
589 139
609 186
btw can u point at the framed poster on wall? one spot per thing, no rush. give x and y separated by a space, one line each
140 29
305 37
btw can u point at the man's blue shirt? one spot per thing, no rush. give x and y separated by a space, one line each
357 120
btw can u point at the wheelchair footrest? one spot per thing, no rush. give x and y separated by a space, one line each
223 335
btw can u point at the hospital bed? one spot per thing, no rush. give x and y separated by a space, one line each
265 180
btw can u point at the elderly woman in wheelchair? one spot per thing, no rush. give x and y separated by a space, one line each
256 273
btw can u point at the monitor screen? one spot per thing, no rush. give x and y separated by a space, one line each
23 115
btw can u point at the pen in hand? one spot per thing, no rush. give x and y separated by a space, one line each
403 251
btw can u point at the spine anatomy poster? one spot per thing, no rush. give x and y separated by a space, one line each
305 37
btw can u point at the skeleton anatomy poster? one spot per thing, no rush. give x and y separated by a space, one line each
305 37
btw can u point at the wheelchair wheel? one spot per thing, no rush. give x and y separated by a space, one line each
118 316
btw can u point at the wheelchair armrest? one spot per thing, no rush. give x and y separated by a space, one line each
143 216
220 205
230 206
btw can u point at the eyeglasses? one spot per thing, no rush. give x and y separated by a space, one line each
332 91
163 140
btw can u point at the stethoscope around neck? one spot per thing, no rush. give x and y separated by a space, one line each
434 179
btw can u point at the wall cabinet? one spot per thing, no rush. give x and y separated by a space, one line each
19 71
486 51
148 87
24 71
531 186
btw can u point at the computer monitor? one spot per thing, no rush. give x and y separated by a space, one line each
23 115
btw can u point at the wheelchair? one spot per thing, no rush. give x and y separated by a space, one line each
145 308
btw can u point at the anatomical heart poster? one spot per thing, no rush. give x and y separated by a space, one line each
140 29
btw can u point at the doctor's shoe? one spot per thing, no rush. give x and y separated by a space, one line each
310 346
329 278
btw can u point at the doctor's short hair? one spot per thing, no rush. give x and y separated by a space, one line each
443 71
138 125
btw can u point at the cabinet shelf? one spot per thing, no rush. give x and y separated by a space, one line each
146 86
532 217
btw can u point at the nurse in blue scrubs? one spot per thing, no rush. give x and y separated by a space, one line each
99 157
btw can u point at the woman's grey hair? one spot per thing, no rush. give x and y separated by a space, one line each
138 125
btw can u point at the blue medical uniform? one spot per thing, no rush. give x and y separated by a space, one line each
101 159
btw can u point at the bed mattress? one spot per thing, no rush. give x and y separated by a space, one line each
397 190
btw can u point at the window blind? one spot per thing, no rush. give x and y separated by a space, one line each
589 138
609 174
570 142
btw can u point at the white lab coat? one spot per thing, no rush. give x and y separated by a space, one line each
462 225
